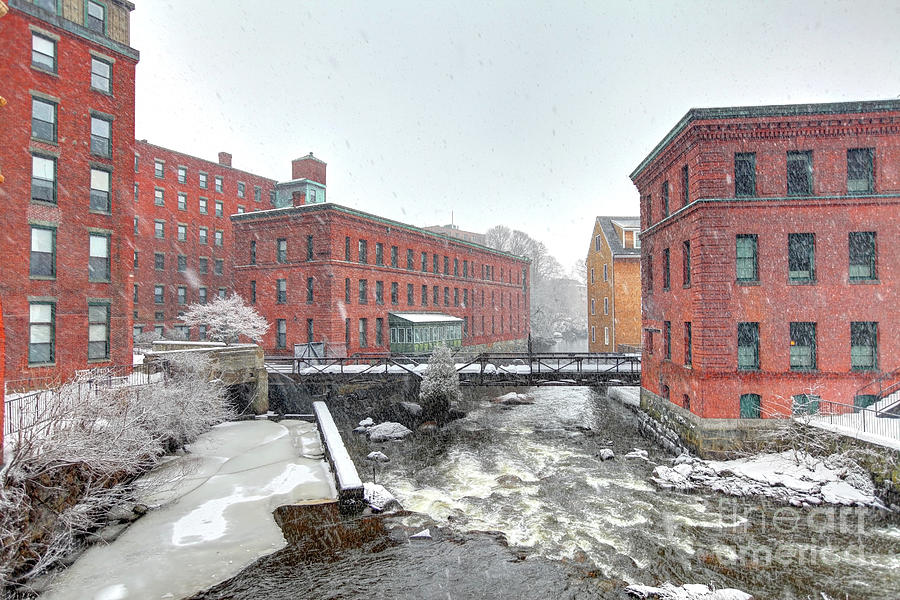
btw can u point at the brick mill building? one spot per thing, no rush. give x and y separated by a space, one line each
183 236
614 285
769 248
67 72
355 282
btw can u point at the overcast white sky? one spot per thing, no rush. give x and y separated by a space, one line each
516 112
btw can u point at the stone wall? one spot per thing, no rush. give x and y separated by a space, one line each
235 365
708 438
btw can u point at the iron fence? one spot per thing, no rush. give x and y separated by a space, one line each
854 421
24 409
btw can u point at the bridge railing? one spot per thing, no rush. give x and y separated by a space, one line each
490 365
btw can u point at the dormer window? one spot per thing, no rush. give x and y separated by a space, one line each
96 17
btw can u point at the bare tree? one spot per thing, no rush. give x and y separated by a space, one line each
80 455
226 319
439 389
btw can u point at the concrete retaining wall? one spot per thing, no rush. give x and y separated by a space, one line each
235 365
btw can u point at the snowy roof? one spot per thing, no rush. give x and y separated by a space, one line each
427 317
613 239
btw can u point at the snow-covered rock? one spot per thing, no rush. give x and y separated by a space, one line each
683 459
377 456
607 454
637 453
513 399
388 430
367 422
425 534
379 498
689 591
791 477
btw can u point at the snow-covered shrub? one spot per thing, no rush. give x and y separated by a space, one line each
439 389
191 401
226 319
80 454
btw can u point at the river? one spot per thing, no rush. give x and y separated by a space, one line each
585 526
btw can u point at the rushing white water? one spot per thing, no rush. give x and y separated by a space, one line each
533 472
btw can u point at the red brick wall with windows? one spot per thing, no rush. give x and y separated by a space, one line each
171 214
69 89
504 310
715 301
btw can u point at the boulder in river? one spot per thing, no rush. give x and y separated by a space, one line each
512 399
387 431
377 456
367 422
607 454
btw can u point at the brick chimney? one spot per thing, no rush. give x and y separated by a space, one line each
225 159
308 167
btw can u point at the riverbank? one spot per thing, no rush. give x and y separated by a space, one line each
211 514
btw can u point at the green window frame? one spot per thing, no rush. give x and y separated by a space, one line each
864 346
744 174
799 173
805 404
748 346
99 257
750 406
861 250
95 16
98 331
42 262
43 119
860 170
43 178
41 333
803 346
802 257
747 257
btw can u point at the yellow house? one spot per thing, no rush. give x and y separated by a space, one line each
614 285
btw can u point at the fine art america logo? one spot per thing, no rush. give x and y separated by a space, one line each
784 536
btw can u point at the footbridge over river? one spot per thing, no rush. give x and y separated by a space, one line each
485 369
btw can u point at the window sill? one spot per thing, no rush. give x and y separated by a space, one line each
43 202
98 280
686 286
105 213
45 141
42 277
802 282
45 70
748 369
747 282
106 156
804 370
94 361
104 92
41 365
865 281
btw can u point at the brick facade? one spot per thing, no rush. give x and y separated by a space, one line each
46 64
195 253
613 285
323 245
796 245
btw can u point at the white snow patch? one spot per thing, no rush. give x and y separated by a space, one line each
688 591
214 521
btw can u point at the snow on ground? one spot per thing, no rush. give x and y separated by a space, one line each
690 591
214 516
793 477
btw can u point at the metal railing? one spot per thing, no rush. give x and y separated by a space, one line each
21 410
482 368
881 387
854 421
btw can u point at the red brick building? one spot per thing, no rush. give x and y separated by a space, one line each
329 274
183 236
67 71
770 257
